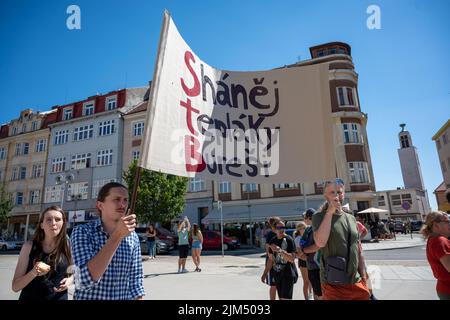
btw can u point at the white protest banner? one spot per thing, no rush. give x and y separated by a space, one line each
264 127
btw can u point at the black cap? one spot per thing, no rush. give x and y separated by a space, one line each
309 213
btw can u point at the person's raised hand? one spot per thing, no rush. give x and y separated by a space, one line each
126 225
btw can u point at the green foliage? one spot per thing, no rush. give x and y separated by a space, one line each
6 204
160 196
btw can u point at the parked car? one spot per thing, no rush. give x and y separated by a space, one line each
161 245
161 234
400 226
212 240
416 225
7 245
164 234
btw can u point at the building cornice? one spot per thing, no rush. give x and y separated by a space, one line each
441 130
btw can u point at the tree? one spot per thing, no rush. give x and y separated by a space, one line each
160 196
6 204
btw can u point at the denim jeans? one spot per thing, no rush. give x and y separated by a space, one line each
151 245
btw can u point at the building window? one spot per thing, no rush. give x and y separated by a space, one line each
444 138
81 161
250 187
352 132
1 175
2 153
34 197
67 114
98 184
34 125
61 137
106 127
444 169
341 96
37 171
17 149
284 186
346 96
406 198
23 173
24 128
138 129
15 174
396 201
40 145
111 103
19 198
58 165
196 185
88 109
225 187
438 144
136 155
358 172
381 201
77 191
83 133
104 157
25 148
52 194
14 131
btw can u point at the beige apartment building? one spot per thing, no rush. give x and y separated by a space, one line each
442 141
133 133
23 161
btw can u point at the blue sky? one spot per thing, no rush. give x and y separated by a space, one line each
403 68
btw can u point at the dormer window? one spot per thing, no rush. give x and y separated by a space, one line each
111 103
88 109
67 114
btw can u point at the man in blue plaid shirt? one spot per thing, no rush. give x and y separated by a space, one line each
107 252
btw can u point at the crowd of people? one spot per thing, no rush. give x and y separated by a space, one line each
330 255
103 258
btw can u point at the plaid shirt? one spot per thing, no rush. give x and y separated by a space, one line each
122 280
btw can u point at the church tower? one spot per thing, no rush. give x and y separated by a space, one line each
409 161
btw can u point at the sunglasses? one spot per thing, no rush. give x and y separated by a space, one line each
338 181
280 227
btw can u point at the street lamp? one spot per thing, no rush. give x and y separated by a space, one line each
219 206
250 218
64 180
76 198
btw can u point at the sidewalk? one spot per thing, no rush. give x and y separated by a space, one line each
238 278
402 241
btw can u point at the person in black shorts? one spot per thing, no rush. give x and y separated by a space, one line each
309 249
299 231
282 261
268 277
